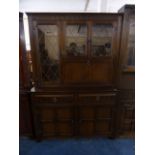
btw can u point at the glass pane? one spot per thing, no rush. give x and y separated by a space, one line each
49 52
76 37
131 42
101 40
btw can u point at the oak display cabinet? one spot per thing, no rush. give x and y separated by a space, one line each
75 59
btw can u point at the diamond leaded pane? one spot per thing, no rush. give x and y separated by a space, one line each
49 52
101 39
76 36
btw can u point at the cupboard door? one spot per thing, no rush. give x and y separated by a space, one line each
55 121
95 120
75 40
49 53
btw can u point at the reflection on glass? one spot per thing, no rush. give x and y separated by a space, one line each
76 36
131 42
101 39
49 52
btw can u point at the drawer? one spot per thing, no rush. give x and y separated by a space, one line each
100 98
56 98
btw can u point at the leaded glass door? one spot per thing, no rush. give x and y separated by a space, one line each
49 52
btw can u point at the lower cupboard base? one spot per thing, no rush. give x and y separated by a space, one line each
79 115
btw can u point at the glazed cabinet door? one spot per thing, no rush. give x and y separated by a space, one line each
45 39
103 49
75 52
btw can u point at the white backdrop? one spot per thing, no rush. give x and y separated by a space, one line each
71 5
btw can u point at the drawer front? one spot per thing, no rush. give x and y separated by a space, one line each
52 98
63 115
97 98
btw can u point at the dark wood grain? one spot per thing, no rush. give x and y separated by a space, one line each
84 102
126 80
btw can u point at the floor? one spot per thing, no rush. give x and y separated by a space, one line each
77 147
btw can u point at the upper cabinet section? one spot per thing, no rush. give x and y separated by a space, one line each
74 48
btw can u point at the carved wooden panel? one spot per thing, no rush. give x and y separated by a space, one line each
86 128
75 72
55 121
103 127
102 72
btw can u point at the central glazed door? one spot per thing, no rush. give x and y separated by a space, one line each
75 52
